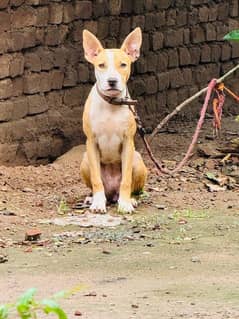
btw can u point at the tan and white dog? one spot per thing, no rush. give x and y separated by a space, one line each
111 167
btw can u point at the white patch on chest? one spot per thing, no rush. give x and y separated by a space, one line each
109 124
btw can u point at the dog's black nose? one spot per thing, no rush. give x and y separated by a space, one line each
112 82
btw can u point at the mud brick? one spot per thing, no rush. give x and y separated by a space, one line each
160 19
29 38
151 84
157 40
184 56
16 41
222 29
8 152
46 58
163 81
137 87
100 9
145 43
23 17
6 108
42 16
216 53
152 61
57 78
32 61
171 16
54 99
138 21
77 31
173 60
234 8
4 4
162 4
125 27
37 104
182 94
32 83
138 6
20 108
16 65
213 12
195 55
126 6
226 52
60 57
83 73
45 82
5 88
103 27
92 26
187 76
74 96
70 78
114 28
205 53
63 32
186 36
197 34
162 62
115 7
17 86
52 36
203 14
235 50
172 99
5 65
16 3
176 78
173 38
5 21
68 12
6 42
141 65
149 21
223 10
56 13
193 17
161 100
211 33
83 9
181 18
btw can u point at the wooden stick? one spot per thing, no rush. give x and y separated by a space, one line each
186 102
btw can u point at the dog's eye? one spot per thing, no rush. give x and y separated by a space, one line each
101 65
123 65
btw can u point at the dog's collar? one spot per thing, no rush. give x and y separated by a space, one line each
116 100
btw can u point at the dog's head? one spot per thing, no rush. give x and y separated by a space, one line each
112 66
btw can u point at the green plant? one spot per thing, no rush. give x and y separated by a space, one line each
62 208
232 35
27 307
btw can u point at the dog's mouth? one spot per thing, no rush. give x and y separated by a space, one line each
112 92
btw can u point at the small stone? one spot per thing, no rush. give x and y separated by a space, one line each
33 234
134 306
78 313
3 259
195 259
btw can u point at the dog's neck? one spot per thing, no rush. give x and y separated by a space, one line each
123 99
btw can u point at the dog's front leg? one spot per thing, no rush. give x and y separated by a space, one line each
99 199
124 202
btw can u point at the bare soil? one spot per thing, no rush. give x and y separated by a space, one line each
175 257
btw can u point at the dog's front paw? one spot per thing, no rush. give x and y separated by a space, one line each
125 206
98 203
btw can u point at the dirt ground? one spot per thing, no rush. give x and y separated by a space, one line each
175 257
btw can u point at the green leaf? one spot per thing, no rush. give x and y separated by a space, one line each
50 306
25 303
232 36
3 312
237 118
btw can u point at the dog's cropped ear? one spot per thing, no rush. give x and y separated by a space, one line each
91 45
132 44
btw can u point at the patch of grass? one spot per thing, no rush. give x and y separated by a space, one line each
62 208
189 213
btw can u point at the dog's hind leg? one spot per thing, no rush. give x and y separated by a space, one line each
140 173
85 171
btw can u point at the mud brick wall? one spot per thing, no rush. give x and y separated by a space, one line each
44 79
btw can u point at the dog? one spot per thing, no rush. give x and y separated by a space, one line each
111 167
